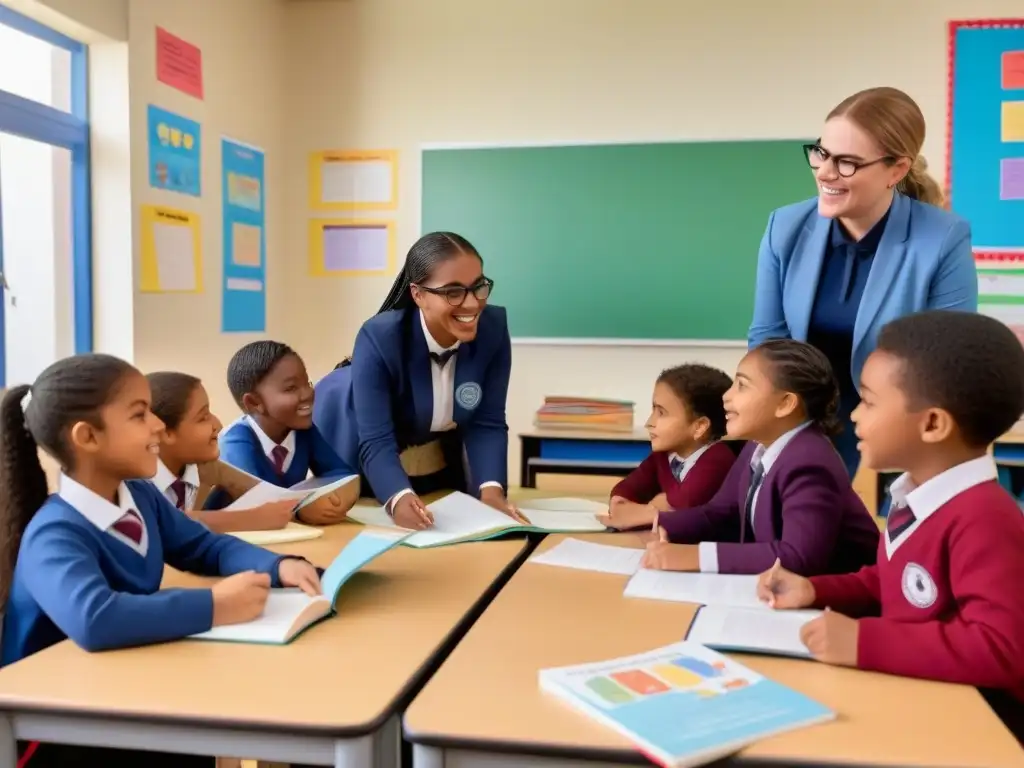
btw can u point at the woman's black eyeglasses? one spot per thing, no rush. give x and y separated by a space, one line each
817 156
456 294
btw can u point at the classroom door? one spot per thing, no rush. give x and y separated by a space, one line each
36 275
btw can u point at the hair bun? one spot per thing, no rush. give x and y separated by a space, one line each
920 163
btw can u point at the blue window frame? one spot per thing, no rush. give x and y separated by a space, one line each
46 124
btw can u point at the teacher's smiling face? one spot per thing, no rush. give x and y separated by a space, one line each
855 177
453 298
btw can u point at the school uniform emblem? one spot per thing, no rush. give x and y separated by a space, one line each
468 395
918 586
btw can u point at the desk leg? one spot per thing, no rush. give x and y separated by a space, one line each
354 753
8 744
529 448
427 757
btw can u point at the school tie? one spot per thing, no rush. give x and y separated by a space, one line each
676 465
279 454
130 526
180 491
900 518
756 476
442 358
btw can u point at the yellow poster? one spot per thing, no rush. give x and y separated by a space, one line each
353 180
171 251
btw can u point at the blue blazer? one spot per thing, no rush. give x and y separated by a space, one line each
924 261
241 448
383 402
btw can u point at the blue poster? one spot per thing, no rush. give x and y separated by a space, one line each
244 303
986 162
175 144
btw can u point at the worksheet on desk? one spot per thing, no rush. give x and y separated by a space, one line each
587 556
751 630
703 588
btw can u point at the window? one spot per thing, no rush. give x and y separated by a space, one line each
45 259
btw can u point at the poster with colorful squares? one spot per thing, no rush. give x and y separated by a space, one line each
985 158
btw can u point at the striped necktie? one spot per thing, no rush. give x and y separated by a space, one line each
278 455
130 526
180 493
900 518
756 476
676 465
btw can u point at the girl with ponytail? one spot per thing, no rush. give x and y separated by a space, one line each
420 406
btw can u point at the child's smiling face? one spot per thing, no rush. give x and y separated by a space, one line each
285 395
194 439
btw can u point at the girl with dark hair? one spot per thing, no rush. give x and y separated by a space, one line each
86 563
421 404
788 496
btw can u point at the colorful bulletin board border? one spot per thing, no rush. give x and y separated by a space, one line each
243 206
172 259
175 152
985 131
353 180
351 247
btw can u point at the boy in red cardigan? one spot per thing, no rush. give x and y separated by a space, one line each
944 601
687 464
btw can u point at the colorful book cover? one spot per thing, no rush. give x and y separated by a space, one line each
683 704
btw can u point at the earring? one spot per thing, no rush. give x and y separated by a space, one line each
889 186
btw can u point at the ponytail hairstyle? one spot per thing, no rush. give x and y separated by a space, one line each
171 391
69 391
426 253
798 367
896 123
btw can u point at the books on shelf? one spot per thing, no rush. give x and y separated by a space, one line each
585 413
303 493
751 630
291 611
459 518
683 704
291 533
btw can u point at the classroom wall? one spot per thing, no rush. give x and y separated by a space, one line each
396 74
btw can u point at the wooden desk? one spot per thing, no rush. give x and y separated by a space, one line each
330 698
484 706
582 452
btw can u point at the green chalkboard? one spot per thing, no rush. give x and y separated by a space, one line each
626 241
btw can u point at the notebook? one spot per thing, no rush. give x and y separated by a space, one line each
290 533
304 493
703 588
291 611
565 504
751 630
588 556
683 704
459 517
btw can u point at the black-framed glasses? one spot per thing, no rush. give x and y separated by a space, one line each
817 156
456 294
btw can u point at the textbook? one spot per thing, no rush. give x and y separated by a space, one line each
751 630
683 704
290 533
458 518
291 611
303 494
704 588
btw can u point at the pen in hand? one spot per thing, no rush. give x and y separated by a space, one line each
773 581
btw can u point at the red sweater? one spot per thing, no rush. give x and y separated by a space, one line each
701 482
949 596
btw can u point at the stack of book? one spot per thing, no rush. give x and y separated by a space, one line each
585 413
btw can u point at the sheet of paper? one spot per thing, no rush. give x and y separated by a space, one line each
458 515
566 505
263 494
356 181
175 257
356 248
563 521
751 629
245 244
282 609
1013 121
587 556
703 588
290 533
317 488
372 516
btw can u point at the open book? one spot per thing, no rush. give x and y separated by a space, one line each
458 517
290 533
303 494
683 704
751 630
290 611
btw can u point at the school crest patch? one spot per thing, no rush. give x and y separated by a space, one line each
468 395
919 586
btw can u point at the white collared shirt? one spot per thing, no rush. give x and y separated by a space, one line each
689 461
707 552
164 479
925 499
101 512
442 381
269 445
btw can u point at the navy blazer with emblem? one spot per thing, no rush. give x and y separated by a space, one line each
383 402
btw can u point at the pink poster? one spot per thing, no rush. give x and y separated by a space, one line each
179 64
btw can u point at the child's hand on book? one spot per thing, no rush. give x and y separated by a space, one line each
270 516
623 515
410 512
240 598
327 510
831 638
295 572
661 555
781 589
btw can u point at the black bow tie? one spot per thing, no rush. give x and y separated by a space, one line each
442 358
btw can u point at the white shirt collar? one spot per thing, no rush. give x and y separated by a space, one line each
928 497
432 344
164 477
269 445
94 507
768 456
690 460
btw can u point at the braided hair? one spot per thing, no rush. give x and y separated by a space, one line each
800 368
